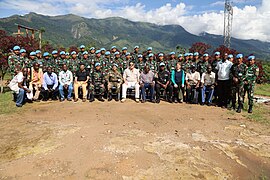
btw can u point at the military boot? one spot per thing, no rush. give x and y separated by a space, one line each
100 98
92 99
250 109
239 109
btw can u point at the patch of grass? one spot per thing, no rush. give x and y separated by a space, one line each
7 106
261 113
262 89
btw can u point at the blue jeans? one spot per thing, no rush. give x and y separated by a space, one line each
61 90
20 97
151 88
210 94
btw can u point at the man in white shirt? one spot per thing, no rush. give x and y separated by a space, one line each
18 86
223 81
208 85
65 83
193 83
131 78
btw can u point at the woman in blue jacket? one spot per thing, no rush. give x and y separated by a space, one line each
178 80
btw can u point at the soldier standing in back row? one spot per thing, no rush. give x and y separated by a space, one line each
14 60
249 80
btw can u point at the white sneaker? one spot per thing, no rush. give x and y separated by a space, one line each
123 100
137 100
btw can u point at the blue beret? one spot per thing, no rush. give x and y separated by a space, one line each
15 48
124 48
180 55
136 47
46 54
230 56
140 56
190 54
33 53
205 55
38 51
98 51
113 47
22 51
151 55
107 53
251 57
92 48
186 54
97 64
160 54
149 49
55 52
127 54
217 53
196 54
162 64
102 49
85 52
62 53
73 52
172 53
239 56
82 46
67 54
116 53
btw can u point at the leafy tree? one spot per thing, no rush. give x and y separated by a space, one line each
199 47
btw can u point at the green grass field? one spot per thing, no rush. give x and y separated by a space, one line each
262 89
7 105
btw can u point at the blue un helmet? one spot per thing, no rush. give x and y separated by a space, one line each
16 48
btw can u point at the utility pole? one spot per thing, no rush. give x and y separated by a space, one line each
228 19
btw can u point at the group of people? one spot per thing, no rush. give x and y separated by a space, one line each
90 74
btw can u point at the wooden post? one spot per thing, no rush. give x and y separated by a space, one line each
39 37
33 34
19 31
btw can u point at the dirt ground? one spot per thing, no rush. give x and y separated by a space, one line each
129 141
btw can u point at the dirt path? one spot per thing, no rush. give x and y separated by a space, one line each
131 141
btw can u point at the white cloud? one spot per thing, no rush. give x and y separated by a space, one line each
249 22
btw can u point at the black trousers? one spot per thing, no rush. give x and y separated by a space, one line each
224 92
46 94
168 89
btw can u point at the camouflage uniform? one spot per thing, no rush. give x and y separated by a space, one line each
171 64
140 65
238 72
14 62
74 66
97 81
202 67
186 66
249 82
152 65
114 79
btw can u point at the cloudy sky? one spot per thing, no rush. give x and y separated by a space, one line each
251 17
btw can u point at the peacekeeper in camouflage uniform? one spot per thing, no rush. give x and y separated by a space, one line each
124 52
33 58
54 60
146 55
118 61
67 56
24 59
80 54
47 61
126 61
215 61
249 80
152 63
203 64
97 82
171 63
102 53
114 79
62 60
14 60
113 50
180 58
88 63
238 70
107 63
186 64
135 54
74 63
92 54
140 64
